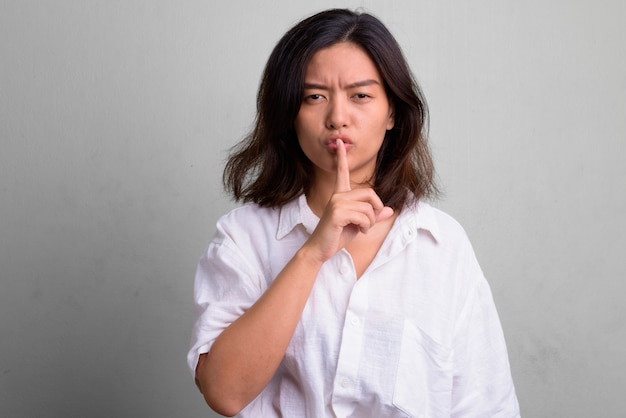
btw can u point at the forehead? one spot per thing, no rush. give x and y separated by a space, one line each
344 60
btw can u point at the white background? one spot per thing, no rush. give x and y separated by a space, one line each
115 120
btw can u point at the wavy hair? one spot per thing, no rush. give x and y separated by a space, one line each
269 168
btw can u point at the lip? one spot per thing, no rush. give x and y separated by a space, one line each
331 142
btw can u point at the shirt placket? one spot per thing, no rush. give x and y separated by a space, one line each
346 383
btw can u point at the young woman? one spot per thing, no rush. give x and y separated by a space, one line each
336 291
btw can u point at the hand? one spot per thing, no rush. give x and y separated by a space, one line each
348 213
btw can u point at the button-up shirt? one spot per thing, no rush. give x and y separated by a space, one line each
417 335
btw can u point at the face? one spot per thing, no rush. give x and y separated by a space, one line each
344 97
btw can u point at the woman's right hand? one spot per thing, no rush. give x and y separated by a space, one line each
348 213
245 356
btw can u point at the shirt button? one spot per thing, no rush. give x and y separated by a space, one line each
345 383
355 320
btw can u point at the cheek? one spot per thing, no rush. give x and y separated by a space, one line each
306 128
301 125
302 137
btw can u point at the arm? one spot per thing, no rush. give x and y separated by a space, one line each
245 356
483 385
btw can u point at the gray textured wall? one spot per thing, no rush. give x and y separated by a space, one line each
114 121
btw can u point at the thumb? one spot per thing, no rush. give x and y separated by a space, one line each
385 213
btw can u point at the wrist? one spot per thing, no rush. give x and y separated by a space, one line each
310 256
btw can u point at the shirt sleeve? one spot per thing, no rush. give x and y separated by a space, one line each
482 383
225 286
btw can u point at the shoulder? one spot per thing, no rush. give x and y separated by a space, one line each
247 212
444 228
249 220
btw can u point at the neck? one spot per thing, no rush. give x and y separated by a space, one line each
321 190
319 194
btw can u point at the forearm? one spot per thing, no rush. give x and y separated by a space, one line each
245 356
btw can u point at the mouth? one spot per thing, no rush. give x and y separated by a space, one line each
331 143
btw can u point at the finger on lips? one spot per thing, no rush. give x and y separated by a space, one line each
374 210
343 171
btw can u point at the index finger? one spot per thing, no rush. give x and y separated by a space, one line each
342 183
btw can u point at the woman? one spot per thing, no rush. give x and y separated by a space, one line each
336 290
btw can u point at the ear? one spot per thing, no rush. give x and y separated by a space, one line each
391 121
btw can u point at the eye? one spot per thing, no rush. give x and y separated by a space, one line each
313 98
362 96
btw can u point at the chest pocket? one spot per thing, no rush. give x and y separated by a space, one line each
423 382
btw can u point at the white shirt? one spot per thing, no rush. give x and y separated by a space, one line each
417 335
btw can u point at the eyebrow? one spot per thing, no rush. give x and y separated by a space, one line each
357 84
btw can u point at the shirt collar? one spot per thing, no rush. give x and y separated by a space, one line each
421 216
294 213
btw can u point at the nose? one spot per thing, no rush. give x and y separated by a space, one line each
337 116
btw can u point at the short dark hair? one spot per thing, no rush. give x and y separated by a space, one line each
269 168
